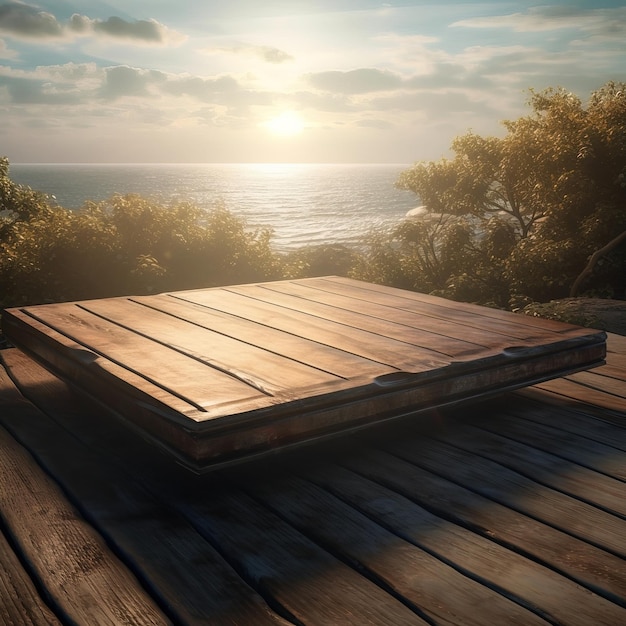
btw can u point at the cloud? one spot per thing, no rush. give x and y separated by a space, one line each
142 31
127 81
24 91
28 22
23 20
358 81
606 22
269 54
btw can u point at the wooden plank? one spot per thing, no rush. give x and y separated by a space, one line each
20 603
183 571
86 581
374 292
298 576
514 490
597 456
440 592
602 383
547 469
617 344
78 363
590 567
222 368
351 312
338 362
465 324
311 583
554 399
582 393
392 499
612 370
384 341
566 420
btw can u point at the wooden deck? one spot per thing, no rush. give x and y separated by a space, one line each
509 511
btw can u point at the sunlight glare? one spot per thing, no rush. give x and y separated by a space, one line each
287 124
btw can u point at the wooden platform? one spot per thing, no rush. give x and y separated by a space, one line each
509 511
216 375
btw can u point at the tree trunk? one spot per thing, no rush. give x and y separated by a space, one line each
595 257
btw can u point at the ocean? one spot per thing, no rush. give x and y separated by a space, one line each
303 204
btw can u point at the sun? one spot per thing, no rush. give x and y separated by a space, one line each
287 124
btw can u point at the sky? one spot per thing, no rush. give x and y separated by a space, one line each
337 81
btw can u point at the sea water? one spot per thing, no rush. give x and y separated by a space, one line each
303 204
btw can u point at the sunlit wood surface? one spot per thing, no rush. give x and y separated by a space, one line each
215 375
509 511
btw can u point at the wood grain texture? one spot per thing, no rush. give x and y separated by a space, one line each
86 581
520 493
385 490
545 468
20 603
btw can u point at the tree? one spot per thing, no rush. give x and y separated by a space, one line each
555 185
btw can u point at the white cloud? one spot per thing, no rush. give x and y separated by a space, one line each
24 21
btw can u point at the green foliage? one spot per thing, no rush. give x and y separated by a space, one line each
319 260
540 201
124 245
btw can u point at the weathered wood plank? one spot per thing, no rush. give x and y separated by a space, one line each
338 362
315 586
300 577
600 457
392 499
556 400
548 469
567 420
352 312
617 345
612 369
20 603
435 588
182 570
514 490
461 324
222 365
584 394
87 582
373 292
600 382
595 569
370 338
77 362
